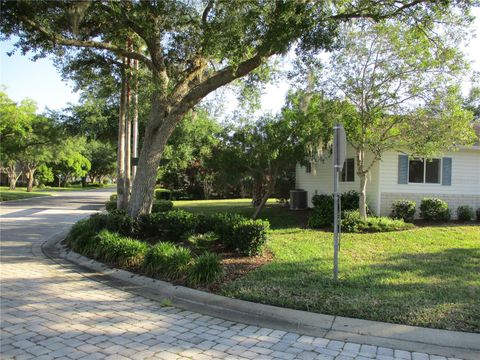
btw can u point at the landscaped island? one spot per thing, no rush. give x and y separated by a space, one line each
425 276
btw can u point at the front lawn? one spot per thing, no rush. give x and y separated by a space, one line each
19 193
427 276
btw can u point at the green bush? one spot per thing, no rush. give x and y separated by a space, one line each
433 209
81 237
203 241
249 236
385 224
167 260
322 211
404 209
478 214
352 222
106 181
118 250
207 222
350 200
113 197
163 194
171 226
206 269
465 213
111 205
161 206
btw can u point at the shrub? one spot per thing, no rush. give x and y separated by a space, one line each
478 214
81 237
205 269
322 211
163 194
223 224
106 181
111 205
323 208
206 223
172 225
120 223
203 241
434 210
385 224
161 206
352 222
249 236
167 260
118 250
113 197
465 213
404 209
350 200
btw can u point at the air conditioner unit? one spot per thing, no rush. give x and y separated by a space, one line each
298 199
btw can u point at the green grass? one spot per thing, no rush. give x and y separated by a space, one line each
427 276
21 192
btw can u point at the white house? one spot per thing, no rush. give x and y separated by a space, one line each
454 177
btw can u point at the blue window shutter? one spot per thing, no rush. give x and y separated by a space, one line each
403 169
447 171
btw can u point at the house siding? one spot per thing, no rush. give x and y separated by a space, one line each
464 188
320 180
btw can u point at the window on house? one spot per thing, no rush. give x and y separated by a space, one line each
308 168
424 171
348 171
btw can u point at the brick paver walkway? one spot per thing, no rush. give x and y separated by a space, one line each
51 312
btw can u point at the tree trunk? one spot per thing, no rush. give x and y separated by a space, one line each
30 174
121 204
12 175
128 135
270 187
362 174
150 156
135 118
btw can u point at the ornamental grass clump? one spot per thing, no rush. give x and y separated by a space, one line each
119 250
206 269
166 260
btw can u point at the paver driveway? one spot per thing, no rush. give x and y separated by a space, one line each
49 311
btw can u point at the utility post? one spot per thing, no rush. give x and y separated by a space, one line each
339 152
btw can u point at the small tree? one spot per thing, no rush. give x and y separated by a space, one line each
402 89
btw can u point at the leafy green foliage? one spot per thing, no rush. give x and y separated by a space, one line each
161 206
433 209
167 260
118 250
352 222
206 269
404 209
163 194
323 208
203 241
465 213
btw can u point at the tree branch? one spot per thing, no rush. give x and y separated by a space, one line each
60 40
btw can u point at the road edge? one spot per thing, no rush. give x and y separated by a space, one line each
447 343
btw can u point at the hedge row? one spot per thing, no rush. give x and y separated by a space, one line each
164 260
235 232
431 209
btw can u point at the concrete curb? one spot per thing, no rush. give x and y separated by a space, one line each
411 338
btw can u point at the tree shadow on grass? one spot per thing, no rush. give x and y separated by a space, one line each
438 289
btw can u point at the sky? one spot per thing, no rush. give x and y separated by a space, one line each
41 82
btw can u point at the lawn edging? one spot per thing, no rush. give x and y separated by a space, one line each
411 338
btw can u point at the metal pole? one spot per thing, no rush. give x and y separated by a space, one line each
335 223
